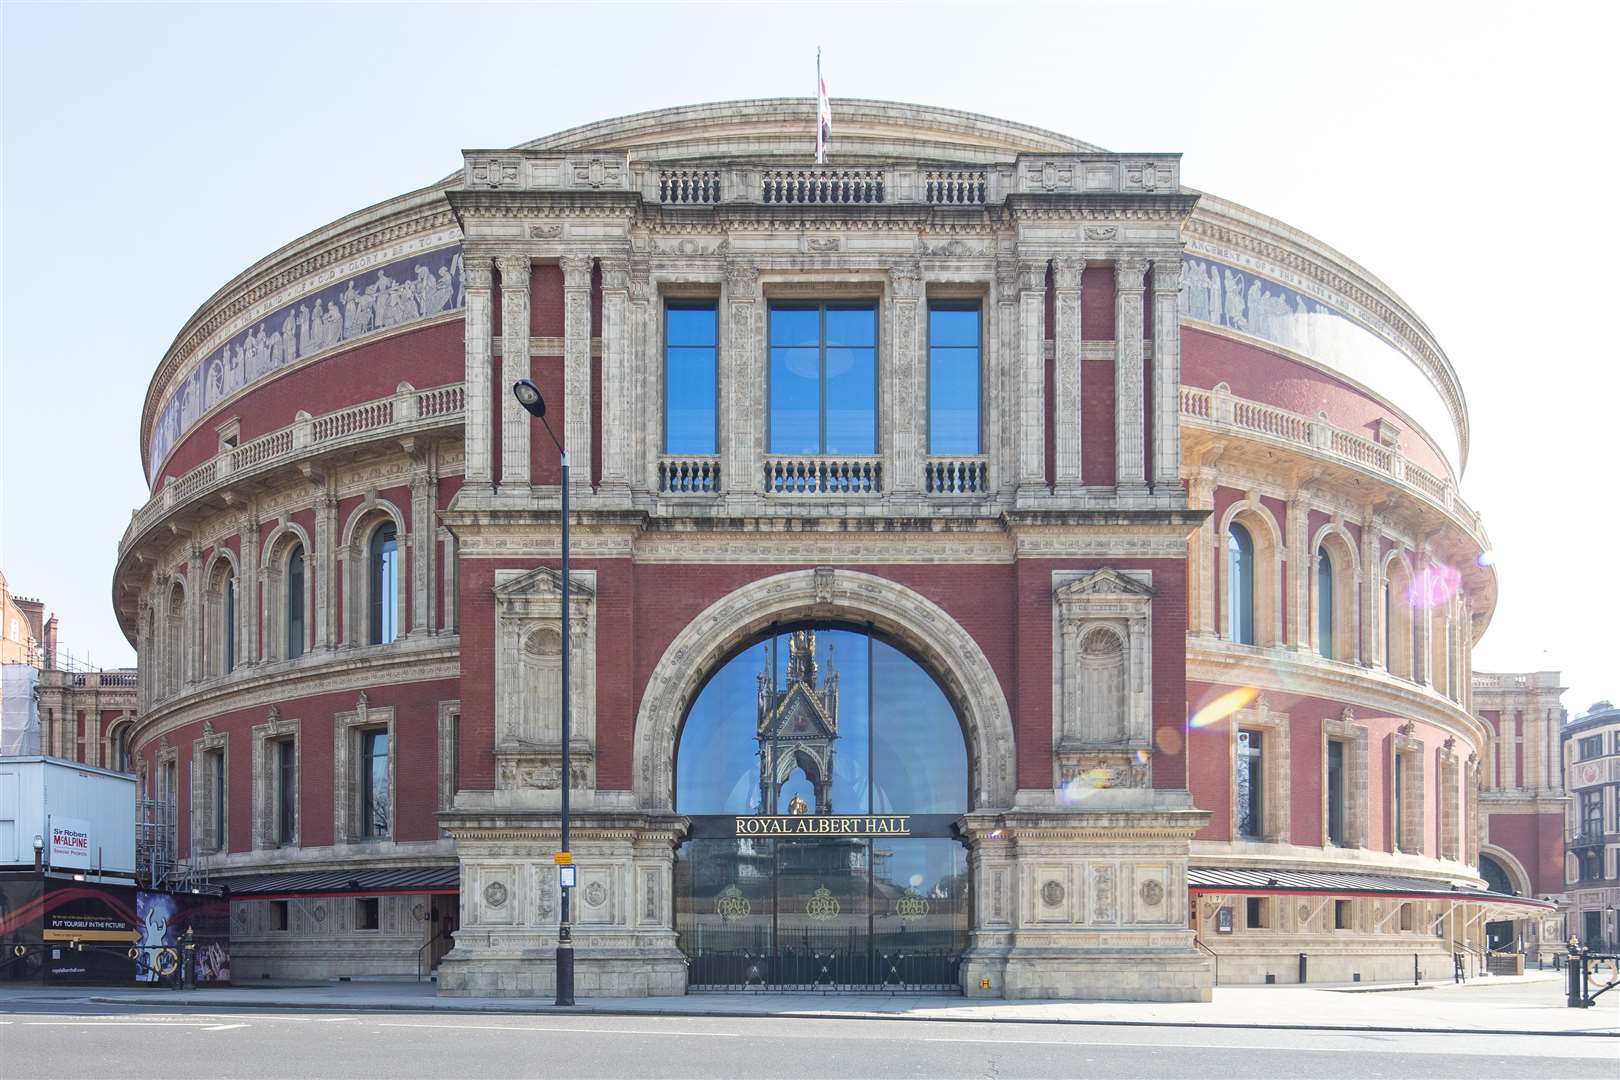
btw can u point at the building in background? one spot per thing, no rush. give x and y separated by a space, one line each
996 565
1592 771
1522 802
56 705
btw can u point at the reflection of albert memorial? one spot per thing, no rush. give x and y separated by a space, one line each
1131 516
798 725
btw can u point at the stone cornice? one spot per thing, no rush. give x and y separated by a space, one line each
1288 672
408 660
1296 858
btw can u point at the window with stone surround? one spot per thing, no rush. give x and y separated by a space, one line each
1333 628
209 776
955 341
1449 809
1399 626
1406 791
1239 585
276 765
691 379
288 596
1249 553
367 913
382 574
1260 800
1344 782
364 768
220 617
1258 913
822 378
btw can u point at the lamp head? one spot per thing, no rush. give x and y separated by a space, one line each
39 842
528 396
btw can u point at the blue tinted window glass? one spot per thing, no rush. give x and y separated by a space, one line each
795 423
690 382
953 326
689 325
795 326
689 401
851 401
1239 585
919 758
852 326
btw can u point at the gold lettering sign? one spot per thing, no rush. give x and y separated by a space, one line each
825 825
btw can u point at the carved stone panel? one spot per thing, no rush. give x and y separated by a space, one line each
528 679
1103 664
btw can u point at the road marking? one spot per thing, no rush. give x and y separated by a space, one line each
578 1030
111 1023
224 1027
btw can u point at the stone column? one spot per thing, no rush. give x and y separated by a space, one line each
196 609
577 368
1202 497
1166 465
326 562
515 421
1422 621
1130 470
1372 593
1300 563
618 399
478 278
449 622
1066 384
424 529
247 591
742 383
645 373
905 382
1030 396
1003 399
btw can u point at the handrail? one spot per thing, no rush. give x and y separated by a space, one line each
1220 407
407 408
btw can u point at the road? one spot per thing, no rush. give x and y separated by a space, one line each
45 1040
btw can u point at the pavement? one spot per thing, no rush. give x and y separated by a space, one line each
1531 1004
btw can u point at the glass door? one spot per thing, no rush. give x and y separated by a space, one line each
823 900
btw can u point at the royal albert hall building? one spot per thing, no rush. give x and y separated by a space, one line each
995 565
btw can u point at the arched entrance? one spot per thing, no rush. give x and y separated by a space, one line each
822 768
1498 935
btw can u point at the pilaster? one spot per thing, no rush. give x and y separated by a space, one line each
1130 470
1005 402
196 604
247 597
1066 383
424 497
1372 593
1201 496
906 379
742 383
515 420
326 561
477 280
645 372
577 368
1031 390
617 391
1300 562
1166 465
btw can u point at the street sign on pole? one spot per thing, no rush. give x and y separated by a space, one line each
566 876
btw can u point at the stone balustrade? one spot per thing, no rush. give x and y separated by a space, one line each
817 474
405 411
1219 408
689 475
957 475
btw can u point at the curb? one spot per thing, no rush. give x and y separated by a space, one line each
594 1010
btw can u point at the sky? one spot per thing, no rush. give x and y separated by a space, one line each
1457 151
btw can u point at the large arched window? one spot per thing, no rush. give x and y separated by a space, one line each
174 647
1324 603
821 769
219 627
295 602
1239 585
382 569
1399 625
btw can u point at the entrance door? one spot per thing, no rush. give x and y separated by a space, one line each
823 913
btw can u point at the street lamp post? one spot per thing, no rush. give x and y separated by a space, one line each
528 396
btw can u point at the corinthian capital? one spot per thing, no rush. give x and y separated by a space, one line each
514 271
1128 274
1066 273
1032 275
576 271
742 281
478 271
616 274
1167 275
905 280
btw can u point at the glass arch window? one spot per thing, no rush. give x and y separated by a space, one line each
821 720
382 565
228 629
1324 603
295 602
1239 584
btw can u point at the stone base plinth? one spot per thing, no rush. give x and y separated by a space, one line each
1089 974
597 974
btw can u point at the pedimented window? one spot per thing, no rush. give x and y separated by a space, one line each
1102 659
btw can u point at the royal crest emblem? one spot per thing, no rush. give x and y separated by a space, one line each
823 906
733 906
911 906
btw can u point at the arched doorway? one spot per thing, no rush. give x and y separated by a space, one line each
1498 935
822 768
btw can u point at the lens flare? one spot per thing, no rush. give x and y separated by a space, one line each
1169 740
1215 711
1433 586
916 881
1485 558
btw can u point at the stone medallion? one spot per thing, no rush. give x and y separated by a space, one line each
495 894
1152 893
1052 894
596 894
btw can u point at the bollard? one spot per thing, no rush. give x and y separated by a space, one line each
1415 978
1302 957
1573 981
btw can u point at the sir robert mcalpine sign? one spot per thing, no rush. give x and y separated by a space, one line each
825 825
70 842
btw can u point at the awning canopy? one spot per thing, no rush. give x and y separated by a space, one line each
410 879
1221 879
